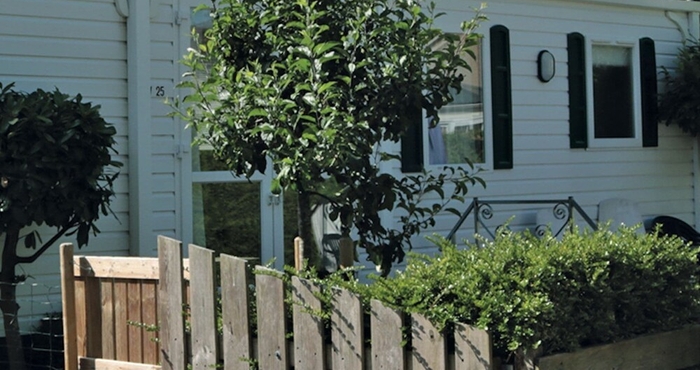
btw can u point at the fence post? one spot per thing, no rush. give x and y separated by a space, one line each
70 340
298 253
202 308
170 299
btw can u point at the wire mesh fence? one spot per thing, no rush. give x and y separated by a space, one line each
41 326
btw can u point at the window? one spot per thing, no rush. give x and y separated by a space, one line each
476 125
612 93
613 98
460 133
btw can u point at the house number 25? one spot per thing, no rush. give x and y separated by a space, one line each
158 91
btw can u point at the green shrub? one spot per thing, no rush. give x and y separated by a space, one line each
679 102
554 295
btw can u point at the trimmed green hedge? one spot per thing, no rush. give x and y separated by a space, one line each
531 292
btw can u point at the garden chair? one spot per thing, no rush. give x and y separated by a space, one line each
673 226
619 212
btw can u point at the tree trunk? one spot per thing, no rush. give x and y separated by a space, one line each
304 227
8 301
526 359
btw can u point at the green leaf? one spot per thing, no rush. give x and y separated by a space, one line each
322 48
257 112
83 234
309 136
326 86
275 187
30 241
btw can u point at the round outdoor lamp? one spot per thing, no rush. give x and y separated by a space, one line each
545 66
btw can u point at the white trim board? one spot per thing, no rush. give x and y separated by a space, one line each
680 5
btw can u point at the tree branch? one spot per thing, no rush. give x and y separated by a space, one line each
326 197
47 245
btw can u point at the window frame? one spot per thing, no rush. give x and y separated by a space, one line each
636 140
484 60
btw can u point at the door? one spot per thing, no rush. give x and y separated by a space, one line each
232 215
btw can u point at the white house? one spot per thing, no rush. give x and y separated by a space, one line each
530 136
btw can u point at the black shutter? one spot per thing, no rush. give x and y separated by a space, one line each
578 117
650 110
412 141
501 98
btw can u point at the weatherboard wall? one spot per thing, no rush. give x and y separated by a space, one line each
660 180
77 47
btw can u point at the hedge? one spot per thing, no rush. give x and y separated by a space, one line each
553 295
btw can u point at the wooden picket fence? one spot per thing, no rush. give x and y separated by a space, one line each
109 304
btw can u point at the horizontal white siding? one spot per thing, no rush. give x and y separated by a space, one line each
165 130
77 47
659 179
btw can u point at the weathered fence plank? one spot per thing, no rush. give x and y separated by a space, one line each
307 326
121 324
347 331
117 267
80 322
108 345
203 308
142 268
234 308
93 317
473 349
68 303
272 330
387 341
149 292
429 347
133 315
102 364
170 296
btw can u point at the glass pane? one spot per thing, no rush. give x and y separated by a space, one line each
201 21
227 218
203 159
612 92
460 133
202 155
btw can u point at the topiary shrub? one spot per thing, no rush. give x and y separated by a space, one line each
56 169
553 296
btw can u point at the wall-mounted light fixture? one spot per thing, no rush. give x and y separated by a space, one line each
546 68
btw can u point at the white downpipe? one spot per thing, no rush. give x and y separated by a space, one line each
142 242
694 25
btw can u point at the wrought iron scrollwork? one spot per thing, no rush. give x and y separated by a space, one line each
485 211
541 230
561 210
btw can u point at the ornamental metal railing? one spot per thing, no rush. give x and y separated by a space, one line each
562 209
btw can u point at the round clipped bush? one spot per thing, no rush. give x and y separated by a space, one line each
55 158
543 295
